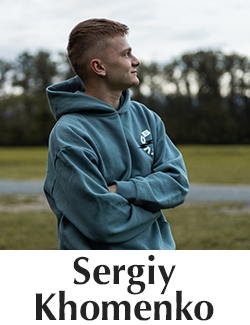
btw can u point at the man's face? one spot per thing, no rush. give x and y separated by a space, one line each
120 64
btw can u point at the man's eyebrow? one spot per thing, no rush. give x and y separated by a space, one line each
129 49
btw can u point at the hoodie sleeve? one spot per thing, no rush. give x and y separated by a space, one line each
81 194
167 185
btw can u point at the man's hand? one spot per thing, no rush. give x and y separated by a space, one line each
113 188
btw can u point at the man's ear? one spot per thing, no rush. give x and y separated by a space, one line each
98 67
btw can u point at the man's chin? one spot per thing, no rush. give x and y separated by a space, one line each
136 83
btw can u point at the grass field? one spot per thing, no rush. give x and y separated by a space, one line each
205 164
23 163
217 164
27 223
210 226
28 231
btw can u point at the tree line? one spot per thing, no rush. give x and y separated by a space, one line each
202 97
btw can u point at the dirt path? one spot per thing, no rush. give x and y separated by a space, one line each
198 192
15 203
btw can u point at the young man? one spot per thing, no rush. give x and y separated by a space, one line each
111 167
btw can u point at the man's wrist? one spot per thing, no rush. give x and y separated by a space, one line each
113 188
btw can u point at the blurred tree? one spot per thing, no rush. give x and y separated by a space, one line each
205 70
26 118
64 69
237 95
34 72
4 69
202 97
207 97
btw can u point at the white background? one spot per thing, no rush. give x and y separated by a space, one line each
220 277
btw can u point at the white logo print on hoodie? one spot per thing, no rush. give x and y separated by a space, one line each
146 143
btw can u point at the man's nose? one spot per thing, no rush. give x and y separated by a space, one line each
135 62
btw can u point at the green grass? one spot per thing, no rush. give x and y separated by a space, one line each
205 164
210 226
217 164
28 231
195 226
23 163
26 222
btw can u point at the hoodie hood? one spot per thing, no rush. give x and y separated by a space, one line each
69 97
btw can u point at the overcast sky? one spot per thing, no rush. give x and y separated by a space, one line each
160 30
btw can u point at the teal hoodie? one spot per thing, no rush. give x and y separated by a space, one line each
93 146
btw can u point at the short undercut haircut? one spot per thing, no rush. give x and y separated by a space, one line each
88 36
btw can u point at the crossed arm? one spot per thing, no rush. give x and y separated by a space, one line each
137 201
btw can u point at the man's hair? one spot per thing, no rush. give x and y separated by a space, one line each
87 38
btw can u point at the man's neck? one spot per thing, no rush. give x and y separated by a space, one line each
112 98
